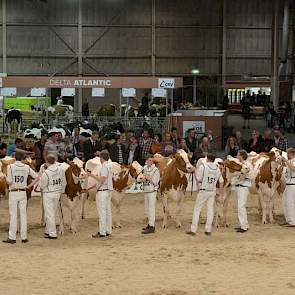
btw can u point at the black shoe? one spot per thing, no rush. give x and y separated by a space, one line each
25 241
149 230
237 228
9 241
241 230
46 235
102 236
289 225
108 235
190 233
50 238
284 224
144 228
207 233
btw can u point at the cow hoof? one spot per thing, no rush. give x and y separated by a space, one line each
227 225
178 226
82 217
164 226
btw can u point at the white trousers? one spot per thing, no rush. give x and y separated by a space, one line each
104 211
202 198
18 200
150 200
242 195
288 204
50 203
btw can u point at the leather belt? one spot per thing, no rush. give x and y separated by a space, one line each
290 183
102 190
17 190
240 185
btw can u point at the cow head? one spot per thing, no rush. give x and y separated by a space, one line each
76 171
182 162
135 171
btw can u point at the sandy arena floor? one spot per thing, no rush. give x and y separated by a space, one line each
261 261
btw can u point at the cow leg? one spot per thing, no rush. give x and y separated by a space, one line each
271 208
116 202
73 205
179 208
165 210
61 216
225 208
263 207
259 207
84 199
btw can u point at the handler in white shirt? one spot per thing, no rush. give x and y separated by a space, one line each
103 196
208 176
52 185
150 187
289 192
241 185
17 178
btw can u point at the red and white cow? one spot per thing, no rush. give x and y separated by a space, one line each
174 182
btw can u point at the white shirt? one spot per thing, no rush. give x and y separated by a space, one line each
105 171
154 173
289 175
208 174
17 175
242 179
53 180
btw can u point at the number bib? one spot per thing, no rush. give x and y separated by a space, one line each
210 178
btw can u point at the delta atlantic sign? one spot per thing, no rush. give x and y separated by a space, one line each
91 82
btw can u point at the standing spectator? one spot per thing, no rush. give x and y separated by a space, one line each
52 146
91 146
231 148
68 147
39 149
157 145
79 146
145 142
191 140
267 142
118 152
145 103
174 136
134 151
211 139
246 111
104 143
281 141
168 147
271 115
255 143
241 142
76 135
182 145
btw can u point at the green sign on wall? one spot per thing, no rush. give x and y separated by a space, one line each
25 103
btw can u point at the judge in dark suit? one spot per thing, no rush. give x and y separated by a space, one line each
118 152
91 147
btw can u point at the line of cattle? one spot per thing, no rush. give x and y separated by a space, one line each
266 175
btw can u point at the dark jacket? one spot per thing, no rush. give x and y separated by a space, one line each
90 149
257 148
191 145
114 153
267 144
137 155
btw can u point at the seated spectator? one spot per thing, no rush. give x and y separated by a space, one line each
182 145
3 150
18 143
157 145
134 151
280 141
267 141
168 147
205 146
39 148
209 134
191 141
240 141
174 136
118 152
231 148
255 143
